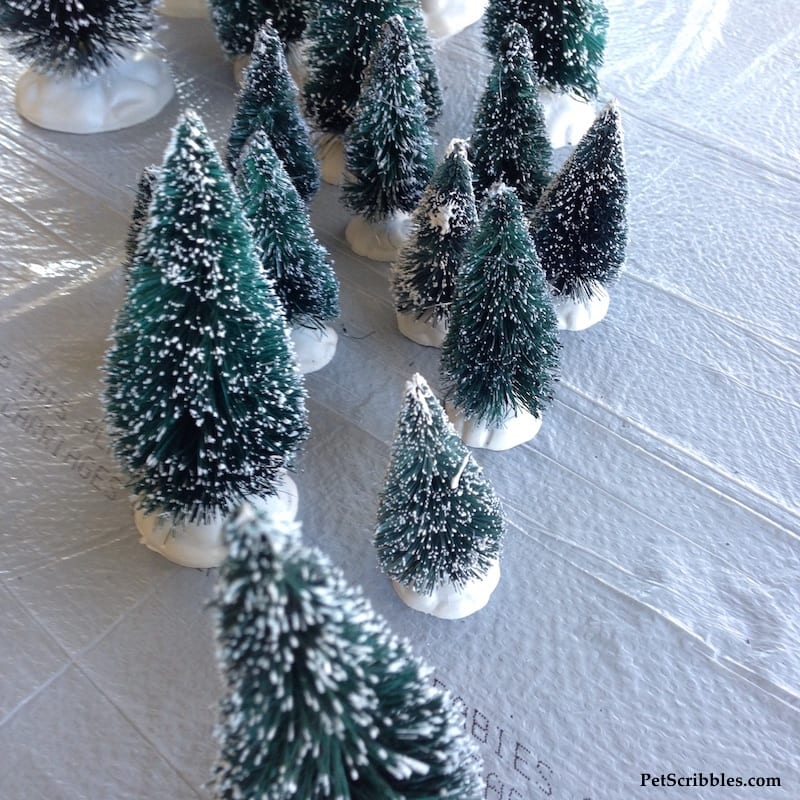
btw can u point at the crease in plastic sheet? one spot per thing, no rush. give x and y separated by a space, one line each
646 620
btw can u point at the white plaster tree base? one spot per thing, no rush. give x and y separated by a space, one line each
448 602
184 8
240 64
200 545
330 153
429 333
447 17
125 94
314 348
566 117
519 427
577 314
380 241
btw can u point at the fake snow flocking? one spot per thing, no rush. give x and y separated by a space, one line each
380 241
200 545
448 601
127 93
518 427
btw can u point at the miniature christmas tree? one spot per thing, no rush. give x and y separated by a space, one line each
290 253
568 39
510 142
141 211
423 279
237 22
388 152
580 224
440 525
321 700
80 54
203 396
268 102
341 39
501 352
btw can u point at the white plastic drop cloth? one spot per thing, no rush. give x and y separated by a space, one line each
647 616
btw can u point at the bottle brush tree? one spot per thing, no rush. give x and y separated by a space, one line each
509 144
321 700
141 212
74 37
289 251
203 396
580 225
439 520
423 278
501 351
567 38
268 102
388 151
341 39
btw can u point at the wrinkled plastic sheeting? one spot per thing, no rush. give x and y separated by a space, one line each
646 620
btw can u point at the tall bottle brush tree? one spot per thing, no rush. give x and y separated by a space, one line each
203 396
423 278
567 39
341 39
439 520
321 699
501 351
388 151
290 254
268 102
237 22
74 37
509 144
580 225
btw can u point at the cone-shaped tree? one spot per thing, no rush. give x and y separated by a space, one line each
439 519
66 37
141 211
568 38
203 395
510 144
388 151
580 225
321 700
237 22
423 278
341 39
268 102
501 351
290 253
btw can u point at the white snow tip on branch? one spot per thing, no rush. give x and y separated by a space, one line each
457 477
416 388
456 146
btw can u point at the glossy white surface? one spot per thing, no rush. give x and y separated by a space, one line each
647 619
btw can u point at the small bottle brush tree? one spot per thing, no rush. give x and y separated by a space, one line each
568 40
289 251
580 225
510 144
89 71
388 150
141 212
501 353
268 102
341 39
321 700
440 525
423 278
203 397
